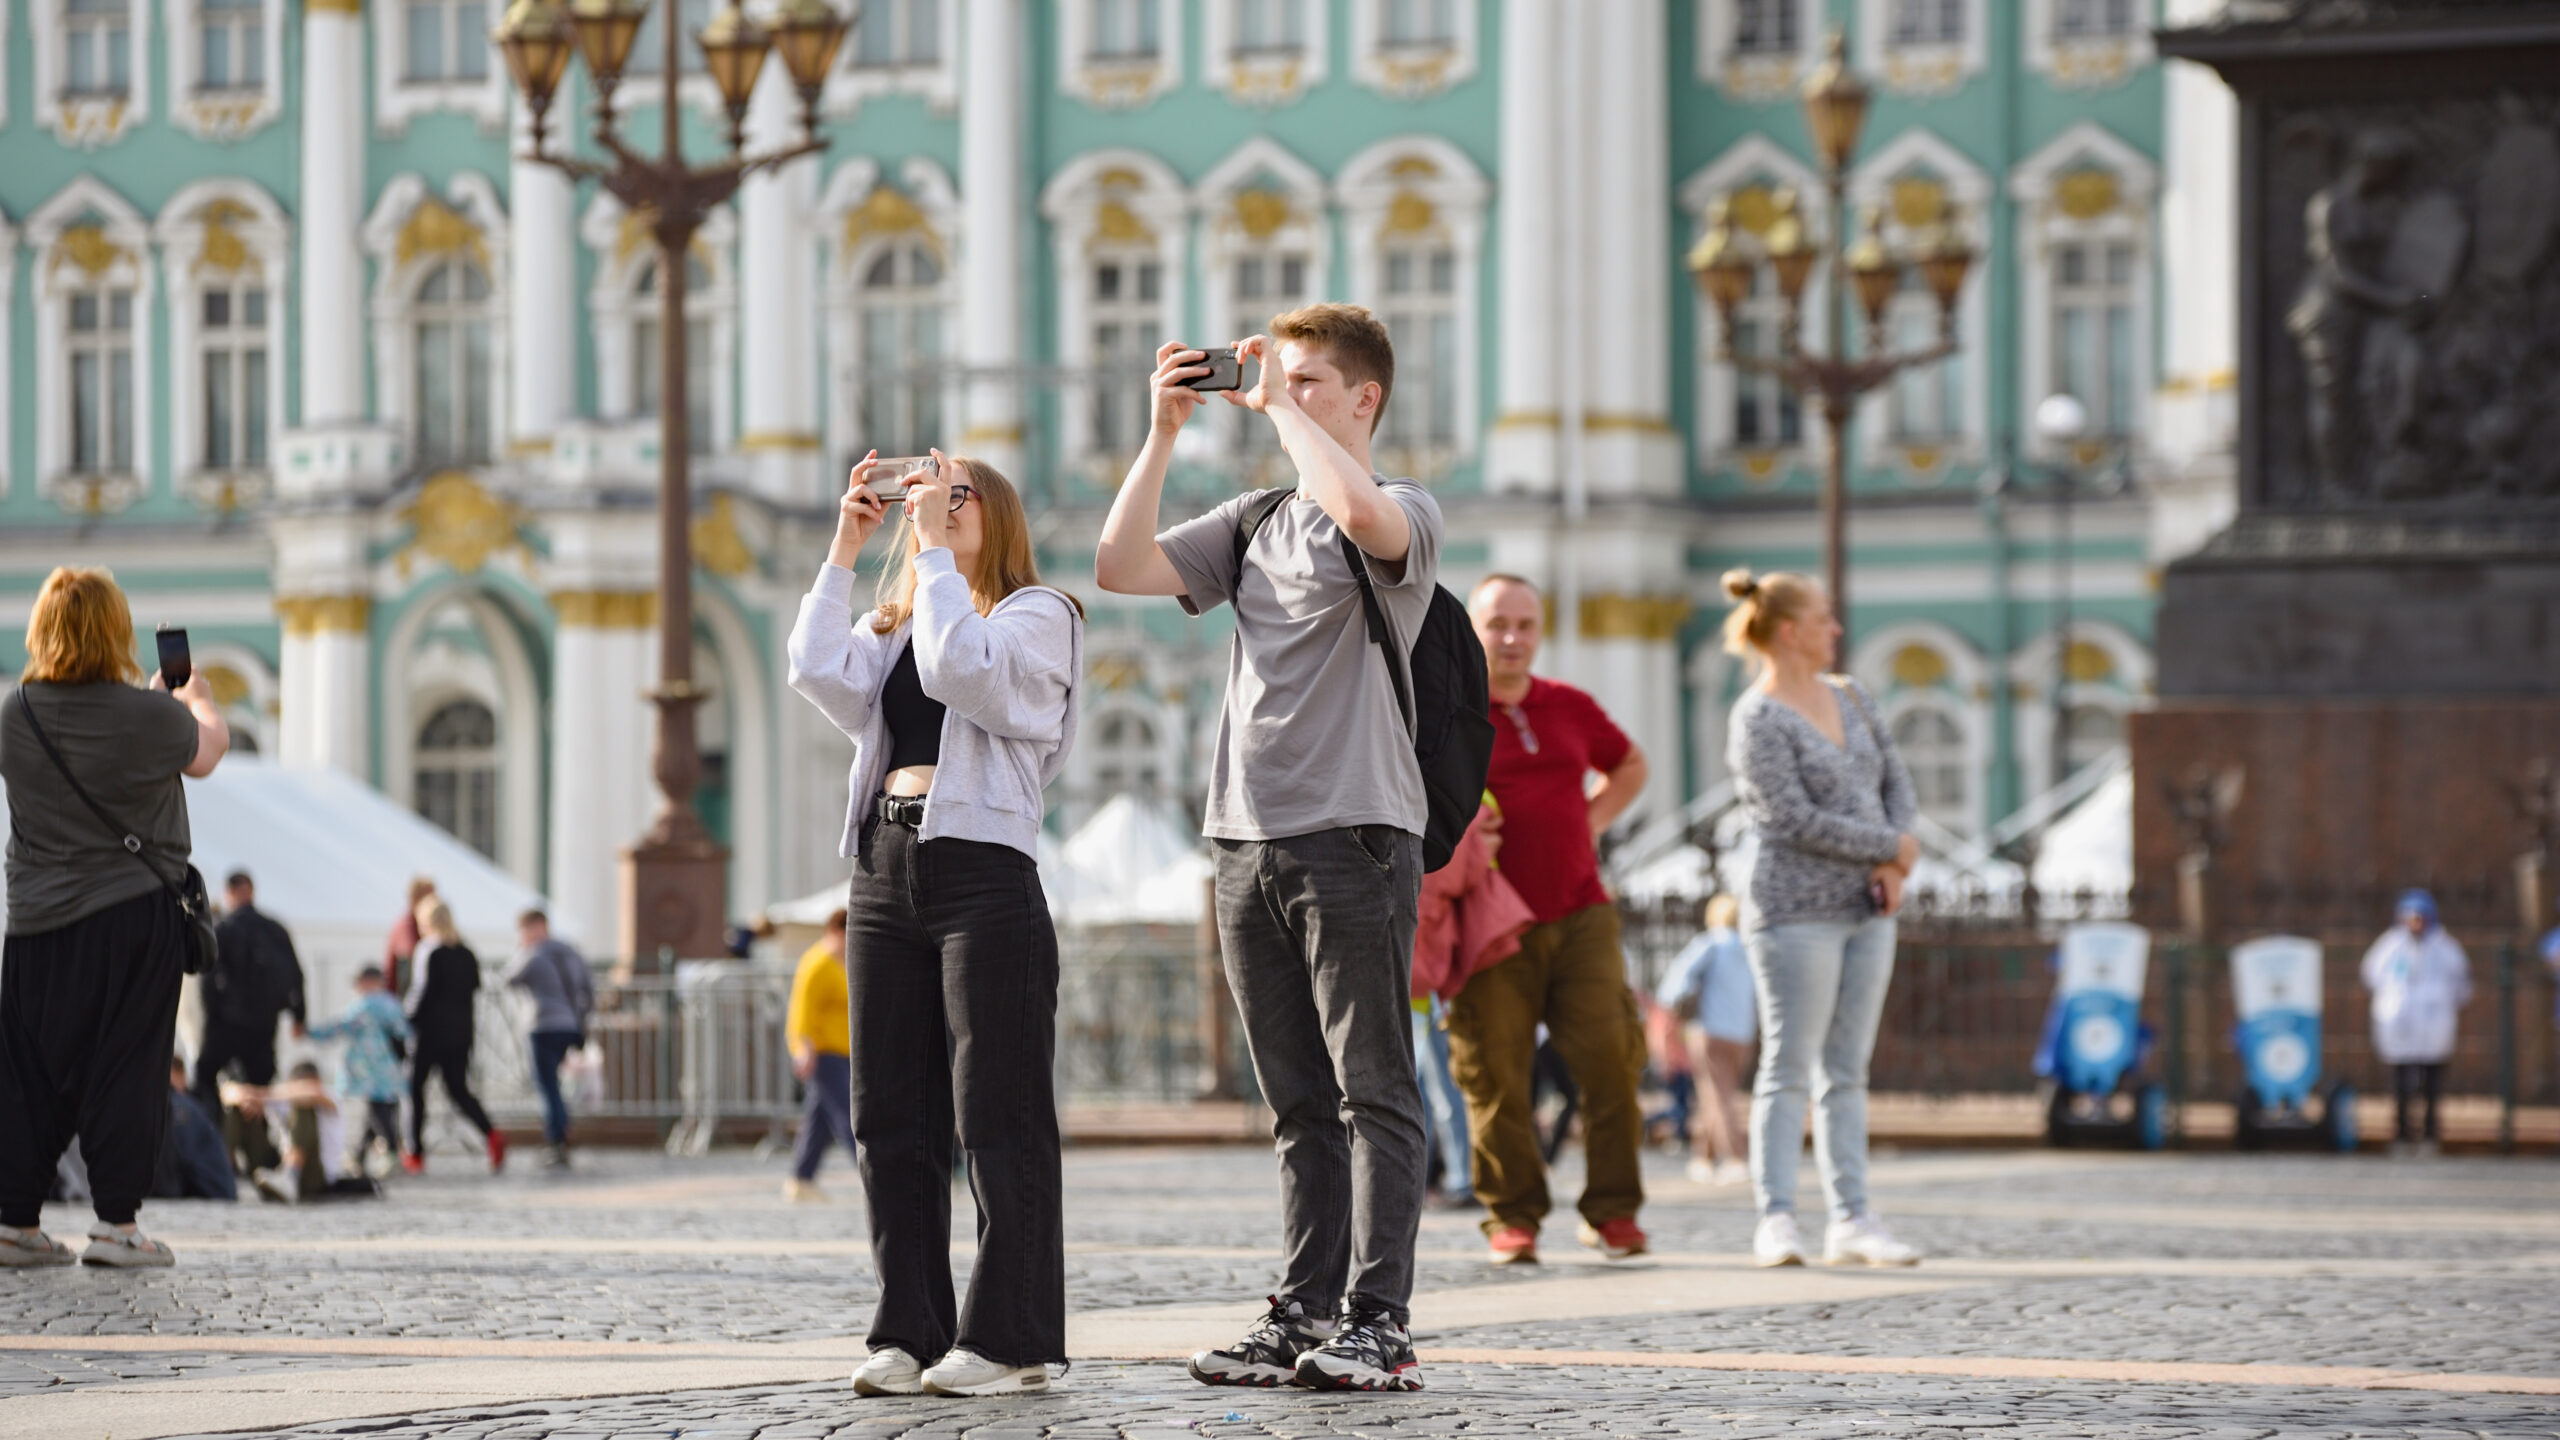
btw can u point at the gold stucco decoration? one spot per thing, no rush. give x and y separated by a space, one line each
1917 667
606 609
1260 212
229 687
1117 672
1410 214
885 211
1612 616
1919 201
306 615
1120 177
2086 194
224 250
88 247
1413 166
717 545
435 228
1117 224
459 523
1754 208
2088 663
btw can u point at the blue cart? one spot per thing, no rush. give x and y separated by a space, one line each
2276 983
2098 1042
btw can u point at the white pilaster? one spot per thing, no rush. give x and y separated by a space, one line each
332 213
600 579
2195 412
542 314
1625 215
992 226
777 289
323 598
1520 450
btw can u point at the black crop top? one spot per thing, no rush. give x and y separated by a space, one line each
915 718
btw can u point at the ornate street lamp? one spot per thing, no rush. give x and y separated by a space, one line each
1726 265
675 885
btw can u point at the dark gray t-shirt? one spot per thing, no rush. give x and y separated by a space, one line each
127 747
1310 737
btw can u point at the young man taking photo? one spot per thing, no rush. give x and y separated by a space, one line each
1569 974
1315 817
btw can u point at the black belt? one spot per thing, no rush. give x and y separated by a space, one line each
907 810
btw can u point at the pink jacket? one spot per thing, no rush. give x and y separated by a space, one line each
1471 919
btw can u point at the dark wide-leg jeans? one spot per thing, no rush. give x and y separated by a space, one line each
1317 932
953 967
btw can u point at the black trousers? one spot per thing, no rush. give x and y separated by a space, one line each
227 1043
87 1016
953 968
2407 1083
448 1055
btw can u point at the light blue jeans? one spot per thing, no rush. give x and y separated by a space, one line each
1822 989
1448 1108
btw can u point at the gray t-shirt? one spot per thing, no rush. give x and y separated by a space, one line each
1310 737
126 746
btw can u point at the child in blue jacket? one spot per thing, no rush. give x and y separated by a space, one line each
377 1036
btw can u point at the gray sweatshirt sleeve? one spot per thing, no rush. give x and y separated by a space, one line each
1770 780
837 664
1009 673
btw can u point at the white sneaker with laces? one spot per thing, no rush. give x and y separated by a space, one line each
1863 1240
965 1372
1777 1242
889 1371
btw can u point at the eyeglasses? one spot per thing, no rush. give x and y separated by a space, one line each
961 495
1520 720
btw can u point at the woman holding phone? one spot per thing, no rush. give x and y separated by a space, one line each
959 690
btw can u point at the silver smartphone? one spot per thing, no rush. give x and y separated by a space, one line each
905 468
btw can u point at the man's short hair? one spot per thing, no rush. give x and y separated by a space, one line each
1355 340
1504 577
306 1070
238 878
370 972
532 917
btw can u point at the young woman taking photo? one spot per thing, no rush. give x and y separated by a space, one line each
1834 809
959 690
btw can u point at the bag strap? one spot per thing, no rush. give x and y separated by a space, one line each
131 842
1381 636
1848 687
1257 511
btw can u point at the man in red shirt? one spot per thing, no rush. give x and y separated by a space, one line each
1569 974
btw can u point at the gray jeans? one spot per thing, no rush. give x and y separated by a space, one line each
1317 932
1822 990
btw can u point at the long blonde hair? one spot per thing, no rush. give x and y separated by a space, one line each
80 631
1760 603
1005 562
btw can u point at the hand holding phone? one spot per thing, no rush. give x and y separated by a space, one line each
176 664
1226 372
905 468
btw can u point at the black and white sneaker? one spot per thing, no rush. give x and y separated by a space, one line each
1268 1353
1370 1351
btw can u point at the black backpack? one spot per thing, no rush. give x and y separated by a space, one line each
1446 702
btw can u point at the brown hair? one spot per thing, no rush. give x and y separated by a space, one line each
835 922
420 887
1355 340
1005 562
81 631
1760 603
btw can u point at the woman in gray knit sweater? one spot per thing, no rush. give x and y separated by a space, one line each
1833 806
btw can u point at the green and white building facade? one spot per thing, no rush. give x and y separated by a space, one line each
291 341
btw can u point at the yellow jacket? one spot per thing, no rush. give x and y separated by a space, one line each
821 1008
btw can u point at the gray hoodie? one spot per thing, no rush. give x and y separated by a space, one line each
556 977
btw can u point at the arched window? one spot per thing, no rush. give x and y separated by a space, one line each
1125 756
701 369
1766 413
457 773
1127 316
1419 304
2089 732
450 329
899 311
1933 748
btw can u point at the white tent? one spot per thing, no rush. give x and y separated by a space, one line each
1127 841
2091 847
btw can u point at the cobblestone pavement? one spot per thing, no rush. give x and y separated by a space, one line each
467 1306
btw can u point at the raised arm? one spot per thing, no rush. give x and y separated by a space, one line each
1009 673
836 665
213 733
1129 561
1333 477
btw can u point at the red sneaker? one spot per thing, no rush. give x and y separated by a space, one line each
497 1152
1617 1239
414 1163
1515 1245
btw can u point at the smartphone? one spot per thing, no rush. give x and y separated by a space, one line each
1225 372
175 663
904 467
1877 899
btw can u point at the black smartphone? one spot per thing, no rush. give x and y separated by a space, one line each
1225 371
175 664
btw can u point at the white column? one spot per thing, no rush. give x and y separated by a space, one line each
1521 445
992 225
332 212
322 678
777 283
542 301
1625 215
2194 489
603 655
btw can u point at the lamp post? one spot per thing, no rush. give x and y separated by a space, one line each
674 879
2061 419
1726 266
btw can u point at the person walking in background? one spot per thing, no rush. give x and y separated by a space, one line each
377 1036
256 982
1834 807
444 991
1708 990
818 1030
2420 980
959 690
97 939
1570 975
400 951
564 996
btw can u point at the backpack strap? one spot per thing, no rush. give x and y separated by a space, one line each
1381 636
1258 509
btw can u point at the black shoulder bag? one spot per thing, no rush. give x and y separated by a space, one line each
194 902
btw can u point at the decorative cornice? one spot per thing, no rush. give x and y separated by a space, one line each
459 523
787 442
1612 616
333 7
606 609
1642 424
306 615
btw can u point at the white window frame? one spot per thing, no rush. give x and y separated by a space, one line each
928 186
1764 75
1754 159
87 200
1260 164
255 713
397 98
1113 83
938 82
1968 188
1369 187
1073 203
1927 68
2037 668
414 679
616 308
1412 72
1265 79
1963 693
182 232
90 121
2042 225
2087 63
395 286
223 114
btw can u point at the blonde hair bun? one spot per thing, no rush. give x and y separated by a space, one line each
1740 584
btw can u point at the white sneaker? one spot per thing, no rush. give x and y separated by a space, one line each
1731 1172
1776 1242
1865 1241
803 1192
964 1372
1701 1172
889 1371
